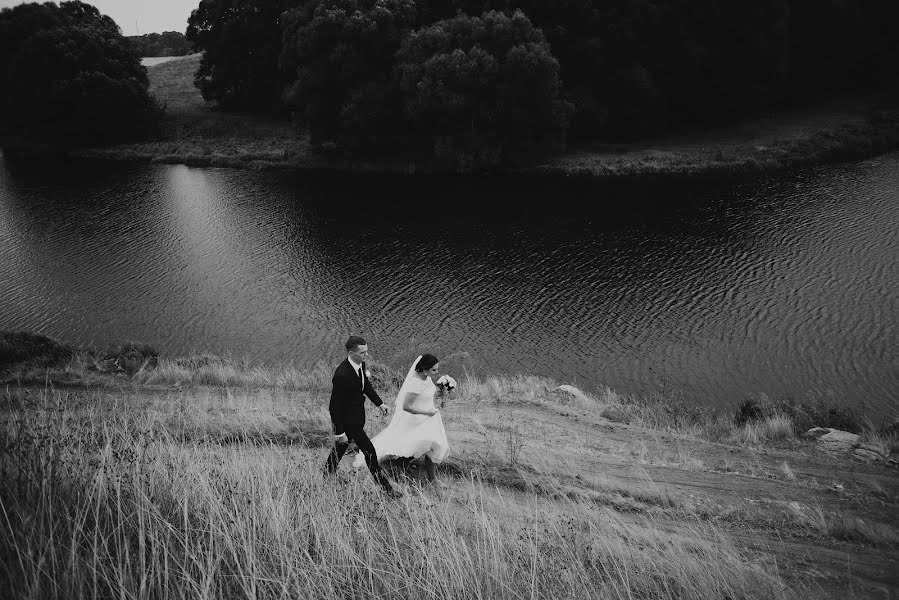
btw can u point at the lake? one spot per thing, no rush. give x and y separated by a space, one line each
716 288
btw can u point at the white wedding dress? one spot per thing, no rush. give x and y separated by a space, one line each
411 435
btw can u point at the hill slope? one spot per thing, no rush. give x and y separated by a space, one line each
542 496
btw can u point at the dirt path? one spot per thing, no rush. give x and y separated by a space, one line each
827 522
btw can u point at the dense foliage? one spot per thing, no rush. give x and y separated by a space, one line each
241 42
634 67
482 91
167 43
463 93
464 82
69 76
389 74
343 51
23 346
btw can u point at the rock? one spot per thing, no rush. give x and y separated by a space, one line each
573 393
871 453
833 440
817 432
568 389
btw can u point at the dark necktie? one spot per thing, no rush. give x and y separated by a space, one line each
361 375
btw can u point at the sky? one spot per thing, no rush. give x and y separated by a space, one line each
139 17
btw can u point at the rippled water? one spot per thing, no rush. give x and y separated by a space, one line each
715 287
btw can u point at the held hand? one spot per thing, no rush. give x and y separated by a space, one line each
385 410
341 439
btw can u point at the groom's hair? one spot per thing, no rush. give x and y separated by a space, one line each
353 342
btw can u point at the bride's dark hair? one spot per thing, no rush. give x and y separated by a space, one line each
426 362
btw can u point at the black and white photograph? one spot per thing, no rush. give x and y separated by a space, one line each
449 300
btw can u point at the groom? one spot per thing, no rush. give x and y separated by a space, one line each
350 385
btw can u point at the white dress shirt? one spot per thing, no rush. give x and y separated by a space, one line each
358 369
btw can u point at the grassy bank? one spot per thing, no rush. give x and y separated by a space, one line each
102 500
194 133
29 359
132 475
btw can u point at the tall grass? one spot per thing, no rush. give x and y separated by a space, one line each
755 433
105 498
755 422
218 371
760 420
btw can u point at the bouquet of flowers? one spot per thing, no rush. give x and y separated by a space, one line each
445 384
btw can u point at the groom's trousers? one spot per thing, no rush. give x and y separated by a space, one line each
358 435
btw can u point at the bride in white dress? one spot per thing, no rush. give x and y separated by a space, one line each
416 428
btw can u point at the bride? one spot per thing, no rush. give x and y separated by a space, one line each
416 428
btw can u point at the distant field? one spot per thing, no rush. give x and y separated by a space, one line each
194 132
149 61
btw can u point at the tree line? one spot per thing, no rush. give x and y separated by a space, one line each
167 43
489 82
459 84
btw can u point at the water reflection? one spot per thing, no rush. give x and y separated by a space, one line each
719 287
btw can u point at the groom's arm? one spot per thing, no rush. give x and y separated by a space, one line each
338 404
370 392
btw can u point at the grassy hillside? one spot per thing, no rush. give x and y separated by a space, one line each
128 475
197 134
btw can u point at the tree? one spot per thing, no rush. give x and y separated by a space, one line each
343 54
72 78
167 43
839 45
482 91
241 42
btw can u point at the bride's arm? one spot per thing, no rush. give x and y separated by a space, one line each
407 405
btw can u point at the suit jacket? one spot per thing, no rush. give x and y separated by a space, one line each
347 406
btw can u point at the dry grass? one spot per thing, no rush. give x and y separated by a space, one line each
217 371
756 433
660 411
106 497
843 527
788 472
885 436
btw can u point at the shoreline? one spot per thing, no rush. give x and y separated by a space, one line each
195 134
32 359
850 141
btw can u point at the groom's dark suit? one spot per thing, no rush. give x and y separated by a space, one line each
347 408
347 405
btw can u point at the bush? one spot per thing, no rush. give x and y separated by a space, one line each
21 347
482 91
129 357
748 412
805 414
